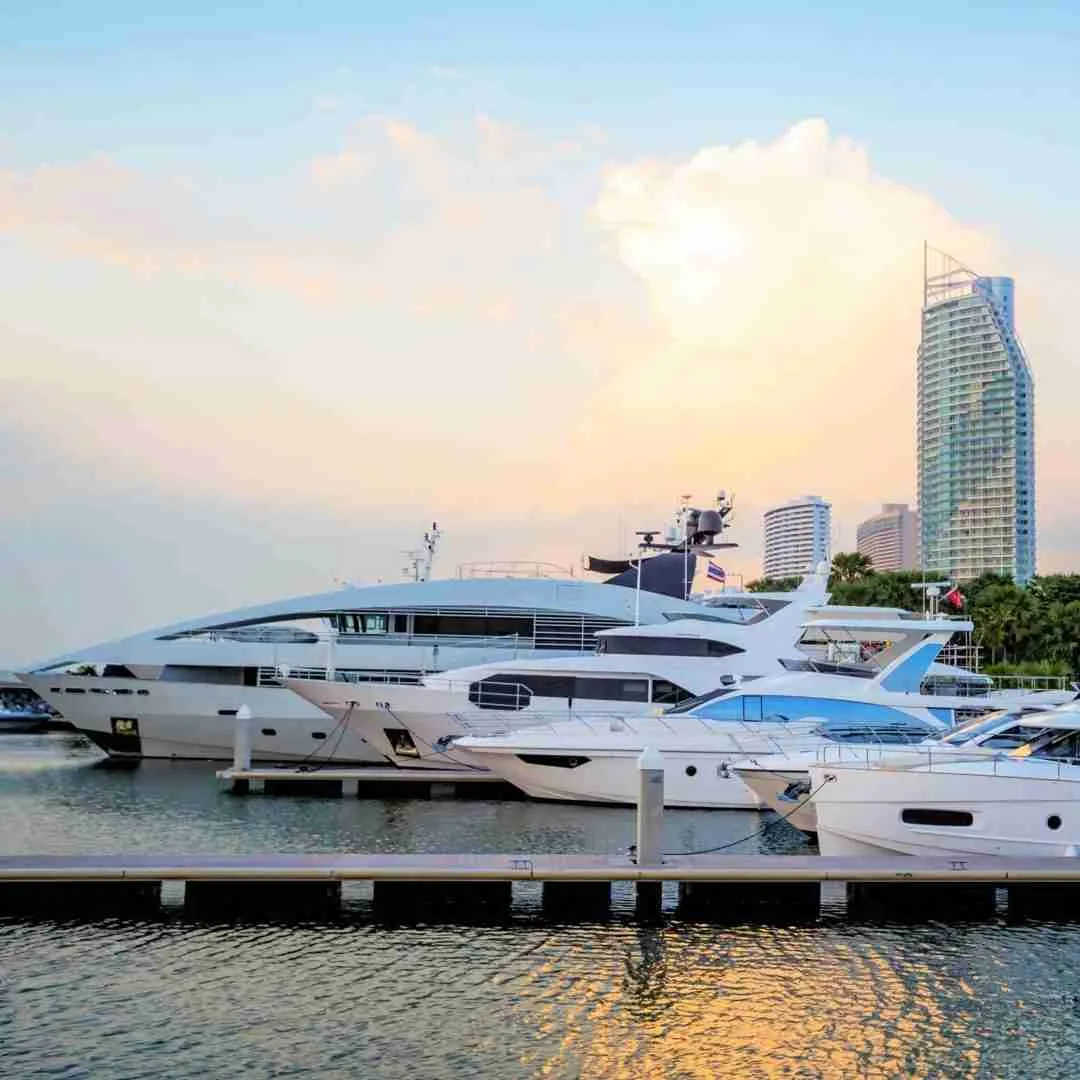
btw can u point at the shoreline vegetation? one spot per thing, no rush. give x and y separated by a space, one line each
1031 629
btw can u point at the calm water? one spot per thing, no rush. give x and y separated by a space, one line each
176 998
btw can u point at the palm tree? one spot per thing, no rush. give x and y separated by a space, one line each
851 566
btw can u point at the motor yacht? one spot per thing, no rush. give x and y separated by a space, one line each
21 710
782 781
1019 802
875 700
173 692
636 670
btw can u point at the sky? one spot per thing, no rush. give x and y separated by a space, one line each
283 283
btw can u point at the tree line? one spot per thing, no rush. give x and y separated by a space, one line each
1032 629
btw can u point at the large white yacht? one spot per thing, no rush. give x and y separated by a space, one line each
877 699
173 692
636 670
1021 802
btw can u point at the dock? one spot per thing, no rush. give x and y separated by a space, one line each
430 887
367 782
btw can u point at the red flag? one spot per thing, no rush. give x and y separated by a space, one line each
954 598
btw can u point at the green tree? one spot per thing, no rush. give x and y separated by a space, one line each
1007 622
772 584
850 566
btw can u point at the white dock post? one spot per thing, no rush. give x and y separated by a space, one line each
650 828
242 740
650 808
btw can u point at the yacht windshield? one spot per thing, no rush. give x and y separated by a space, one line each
693 702
1058 744
976 727
1003 728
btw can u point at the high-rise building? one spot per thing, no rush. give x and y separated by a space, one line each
797 536
975 428
890 540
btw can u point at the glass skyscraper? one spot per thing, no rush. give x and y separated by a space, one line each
975 428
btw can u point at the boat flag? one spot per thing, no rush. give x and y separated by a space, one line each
714 572
954 598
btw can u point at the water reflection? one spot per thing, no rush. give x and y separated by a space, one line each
178 998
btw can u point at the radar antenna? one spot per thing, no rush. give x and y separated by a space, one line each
422 558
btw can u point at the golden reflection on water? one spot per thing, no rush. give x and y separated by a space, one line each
700 1003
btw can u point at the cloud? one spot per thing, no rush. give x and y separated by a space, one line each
515 334
781 286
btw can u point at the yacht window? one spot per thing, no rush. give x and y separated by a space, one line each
991 731
691 704
720 708
936 816
362 623
620 645
500 692
1062 746
668 693
611 689
473 626
555 761
401 624
842 721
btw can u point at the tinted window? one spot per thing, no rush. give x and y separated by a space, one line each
668 693
474 626
665 646
843 721
499 692
611 689
934 816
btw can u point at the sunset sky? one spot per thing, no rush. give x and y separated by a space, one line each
284 282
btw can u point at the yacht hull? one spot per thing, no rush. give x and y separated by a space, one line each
412 725
958 810
688 781
784 791
147 718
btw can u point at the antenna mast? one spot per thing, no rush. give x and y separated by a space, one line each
421 559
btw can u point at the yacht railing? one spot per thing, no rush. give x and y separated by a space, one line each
514 568
1032 682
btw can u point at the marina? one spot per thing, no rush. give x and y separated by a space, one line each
429 886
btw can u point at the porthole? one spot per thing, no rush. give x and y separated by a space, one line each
269 731
691 770
1053 822
318 734
142 693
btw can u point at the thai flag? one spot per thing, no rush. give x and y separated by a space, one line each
714 572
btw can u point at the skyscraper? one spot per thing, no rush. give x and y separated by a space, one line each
975 427
890 540
797 536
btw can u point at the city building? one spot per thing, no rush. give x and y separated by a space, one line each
976 454
890 540
797 536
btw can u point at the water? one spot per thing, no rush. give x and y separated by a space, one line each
177 998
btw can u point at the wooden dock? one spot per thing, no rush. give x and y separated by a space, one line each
710 887
367 782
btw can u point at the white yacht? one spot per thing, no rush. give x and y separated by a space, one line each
1021 802
173 692
877 699
782 781
636 670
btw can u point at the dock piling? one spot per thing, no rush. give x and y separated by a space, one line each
650 829
242 739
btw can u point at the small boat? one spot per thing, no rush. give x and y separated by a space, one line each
1020 802
782 781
